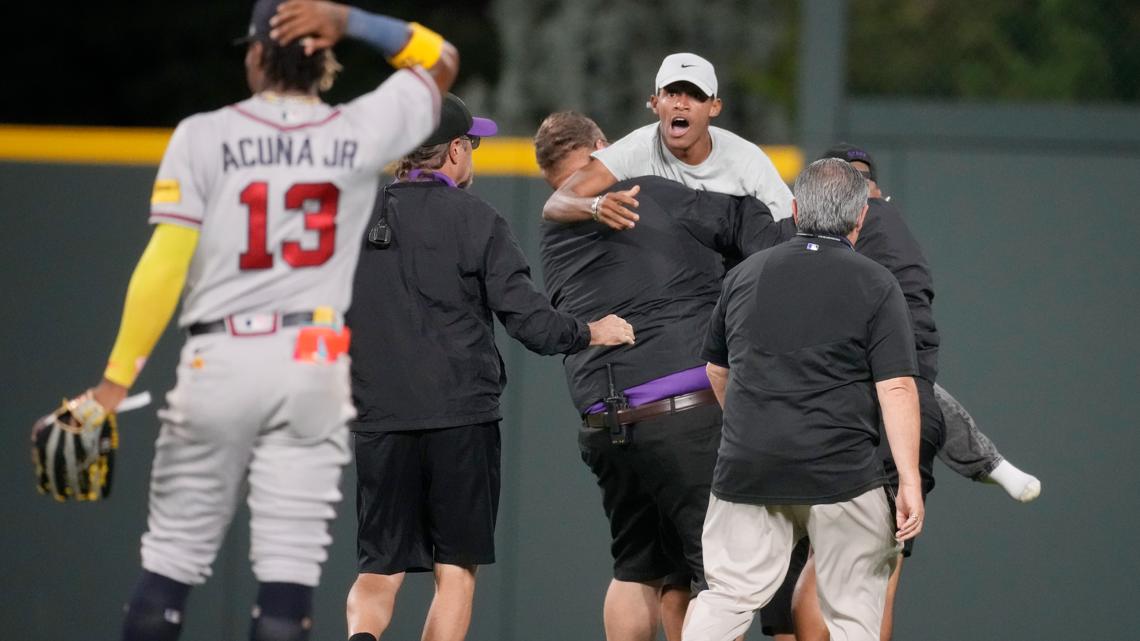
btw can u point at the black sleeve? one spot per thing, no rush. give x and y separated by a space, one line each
525 313
755 228
715 350
734 226
887 239
890 344
891 244
707 216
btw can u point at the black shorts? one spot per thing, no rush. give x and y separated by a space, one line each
426 497
655 492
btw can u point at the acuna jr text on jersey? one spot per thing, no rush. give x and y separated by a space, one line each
287 151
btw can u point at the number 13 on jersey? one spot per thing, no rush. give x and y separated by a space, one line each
298 199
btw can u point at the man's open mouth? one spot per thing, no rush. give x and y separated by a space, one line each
678 126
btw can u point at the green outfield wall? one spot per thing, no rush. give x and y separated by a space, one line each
1030 221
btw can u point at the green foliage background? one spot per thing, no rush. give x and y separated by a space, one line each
150 64
1051 50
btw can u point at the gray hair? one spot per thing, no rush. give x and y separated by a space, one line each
830 193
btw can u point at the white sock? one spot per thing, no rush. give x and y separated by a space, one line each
1019 485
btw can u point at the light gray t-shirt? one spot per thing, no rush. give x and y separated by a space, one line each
280 190
735 166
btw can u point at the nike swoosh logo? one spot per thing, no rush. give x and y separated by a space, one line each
687 66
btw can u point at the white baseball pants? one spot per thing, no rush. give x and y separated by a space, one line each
245 413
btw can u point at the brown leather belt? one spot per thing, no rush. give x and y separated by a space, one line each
670 405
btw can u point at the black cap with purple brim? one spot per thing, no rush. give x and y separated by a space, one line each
455 120
851 153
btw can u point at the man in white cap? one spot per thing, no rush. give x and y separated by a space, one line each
682 146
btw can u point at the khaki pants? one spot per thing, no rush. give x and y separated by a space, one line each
747 549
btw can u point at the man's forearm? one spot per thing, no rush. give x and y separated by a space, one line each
577 199
898 401
718 379
565 206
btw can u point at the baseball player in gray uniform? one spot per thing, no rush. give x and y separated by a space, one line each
258 208
681 146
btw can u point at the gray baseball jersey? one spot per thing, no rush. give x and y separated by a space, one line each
735 166
281 190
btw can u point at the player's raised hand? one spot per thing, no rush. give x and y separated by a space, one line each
615 209
611 330
320 24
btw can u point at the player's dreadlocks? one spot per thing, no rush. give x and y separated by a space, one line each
429 157
289 67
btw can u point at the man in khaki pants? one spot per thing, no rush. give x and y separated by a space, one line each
809 342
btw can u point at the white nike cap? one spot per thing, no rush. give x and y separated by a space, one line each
687 67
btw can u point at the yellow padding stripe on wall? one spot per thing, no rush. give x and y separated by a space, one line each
85 145
141 146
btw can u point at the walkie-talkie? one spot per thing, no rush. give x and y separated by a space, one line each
615 401
380 234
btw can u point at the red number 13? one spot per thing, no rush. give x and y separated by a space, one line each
322 220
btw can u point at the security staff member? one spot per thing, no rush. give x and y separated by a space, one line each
885 238
808 345
947 429
436 266
663 277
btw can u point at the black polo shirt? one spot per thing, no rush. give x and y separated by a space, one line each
423 340
887 240
806 329
663 276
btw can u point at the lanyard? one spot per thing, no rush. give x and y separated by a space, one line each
839 239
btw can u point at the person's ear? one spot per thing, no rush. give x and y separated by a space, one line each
795 213
455 151
714 111
651 104
873 189
861 218
253 54
599 144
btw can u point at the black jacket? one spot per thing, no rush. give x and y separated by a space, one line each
663 276
423 344
887 240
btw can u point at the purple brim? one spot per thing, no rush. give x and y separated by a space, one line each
482 127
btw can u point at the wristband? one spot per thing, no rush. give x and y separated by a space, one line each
594 206
424 48
386 34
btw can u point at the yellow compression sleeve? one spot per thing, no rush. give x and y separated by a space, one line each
152 297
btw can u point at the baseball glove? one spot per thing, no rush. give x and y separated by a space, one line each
73 449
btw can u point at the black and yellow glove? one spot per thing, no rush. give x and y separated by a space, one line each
73 449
